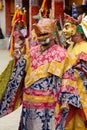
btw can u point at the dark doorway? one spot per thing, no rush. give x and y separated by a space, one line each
25 4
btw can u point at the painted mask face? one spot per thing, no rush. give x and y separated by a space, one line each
68 30
44 30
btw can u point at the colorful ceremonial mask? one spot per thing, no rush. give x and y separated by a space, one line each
44 28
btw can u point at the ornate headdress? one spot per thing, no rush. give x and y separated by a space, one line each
68 18
19 15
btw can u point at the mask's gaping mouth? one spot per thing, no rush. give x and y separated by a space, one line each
43 37
45 42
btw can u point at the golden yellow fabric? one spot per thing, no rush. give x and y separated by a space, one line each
72 52
69 61
26 57
82 92
43 71
69 82
43 99
76 124
32 76
56 68
79 47
57 109
70 125
27 46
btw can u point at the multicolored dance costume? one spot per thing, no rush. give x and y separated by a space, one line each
77 118
44 90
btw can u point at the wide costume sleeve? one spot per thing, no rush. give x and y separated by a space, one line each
11 98
68 92
80 72
72 90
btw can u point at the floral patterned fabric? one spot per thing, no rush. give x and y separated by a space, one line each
43 92
39 104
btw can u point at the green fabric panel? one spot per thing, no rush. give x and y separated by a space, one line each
5 76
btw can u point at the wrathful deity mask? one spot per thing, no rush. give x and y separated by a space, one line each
44 30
